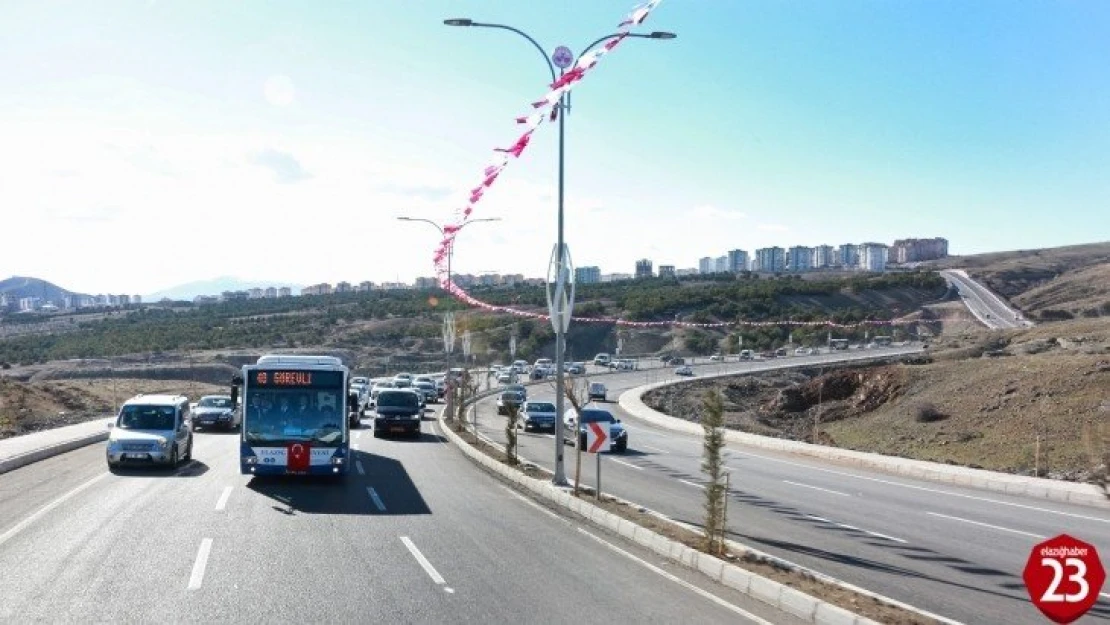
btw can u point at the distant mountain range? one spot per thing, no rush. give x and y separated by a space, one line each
17 287
215 286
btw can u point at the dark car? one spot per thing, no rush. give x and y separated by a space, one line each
508 400
618 436
216 411
538 415
398 411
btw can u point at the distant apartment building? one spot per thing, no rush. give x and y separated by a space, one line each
916 250
587 275
317 289
644 269
687 271
206 299
344 287
365 286
720 264
822 257
769 260
615 277
27 304
270 292
799 258
425 282
738 261
136 299
848 256
873 256
285 292
256 293
666 271
705 264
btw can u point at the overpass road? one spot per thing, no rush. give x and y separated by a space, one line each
988 308
417 535
957 552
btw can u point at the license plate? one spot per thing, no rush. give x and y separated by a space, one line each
396 429
207 422
137 456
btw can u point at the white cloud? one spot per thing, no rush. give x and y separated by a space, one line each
709 211
279 90
773 227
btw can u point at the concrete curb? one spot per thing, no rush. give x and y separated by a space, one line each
779 596
22 460
1055 490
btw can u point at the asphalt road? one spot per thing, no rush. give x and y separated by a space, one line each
987 307
417 535
956 552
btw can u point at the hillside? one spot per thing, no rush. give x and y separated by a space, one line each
1021 401
214 286
21 286
1051 283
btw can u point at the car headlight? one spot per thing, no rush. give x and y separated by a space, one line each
163 443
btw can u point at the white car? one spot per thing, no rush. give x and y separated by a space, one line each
684 370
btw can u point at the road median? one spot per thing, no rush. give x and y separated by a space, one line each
812 597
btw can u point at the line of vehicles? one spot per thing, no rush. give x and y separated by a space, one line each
293 414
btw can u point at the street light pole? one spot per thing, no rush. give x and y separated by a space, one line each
562 108
450 254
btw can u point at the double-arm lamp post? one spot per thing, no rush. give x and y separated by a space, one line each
450 253
559 316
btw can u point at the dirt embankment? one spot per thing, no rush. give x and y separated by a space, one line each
1034 401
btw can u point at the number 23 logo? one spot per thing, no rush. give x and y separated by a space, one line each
1052 594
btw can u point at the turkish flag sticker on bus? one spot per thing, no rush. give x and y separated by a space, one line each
298 457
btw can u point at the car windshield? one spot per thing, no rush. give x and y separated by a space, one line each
539 406
147 418
398 400
597 416
511 397
214 402
315 415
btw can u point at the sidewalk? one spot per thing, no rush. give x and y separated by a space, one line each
20 451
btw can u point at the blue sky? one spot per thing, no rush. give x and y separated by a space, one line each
150 143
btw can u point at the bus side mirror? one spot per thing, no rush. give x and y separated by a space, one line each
234 395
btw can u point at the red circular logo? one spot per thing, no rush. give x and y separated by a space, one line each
1064 577
261 377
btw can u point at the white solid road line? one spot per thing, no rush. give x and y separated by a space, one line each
221 503
826 490
854 528
927 489
681 582
22 525
650 448
427 566
197 578
981 524
535 505
358 465
627 464
694 484
377 500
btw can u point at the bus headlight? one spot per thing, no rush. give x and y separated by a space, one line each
337 460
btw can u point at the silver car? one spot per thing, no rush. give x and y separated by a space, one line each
151 429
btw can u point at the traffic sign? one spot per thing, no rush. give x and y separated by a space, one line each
1064 577
597 435
562 57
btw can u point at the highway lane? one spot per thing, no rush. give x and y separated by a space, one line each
987 307
948 550
416 534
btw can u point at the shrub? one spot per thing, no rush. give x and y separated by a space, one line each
928 413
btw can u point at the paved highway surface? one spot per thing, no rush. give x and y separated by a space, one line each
417 535
987 307
953 551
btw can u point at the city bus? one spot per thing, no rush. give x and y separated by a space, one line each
838 344
294 416
883 341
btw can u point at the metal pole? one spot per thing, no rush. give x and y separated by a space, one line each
724 512
598 471
560 478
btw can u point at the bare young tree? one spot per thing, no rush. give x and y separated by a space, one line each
712 422
511 434
576 390
466 387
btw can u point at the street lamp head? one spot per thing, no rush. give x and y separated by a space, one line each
662 34
459 21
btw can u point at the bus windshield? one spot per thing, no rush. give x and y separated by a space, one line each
275 415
